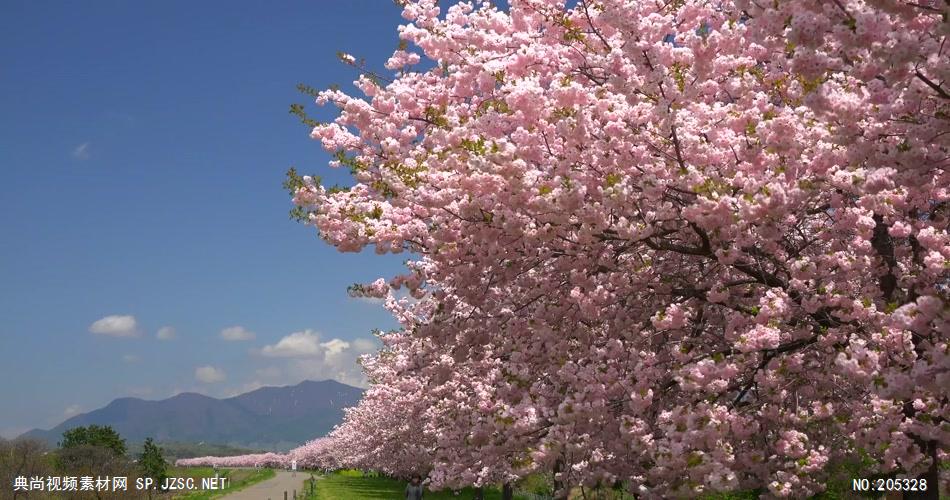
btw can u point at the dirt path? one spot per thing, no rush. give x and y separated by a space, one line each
273 488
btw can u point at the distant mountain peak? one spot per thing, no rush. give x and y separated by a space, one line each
275 418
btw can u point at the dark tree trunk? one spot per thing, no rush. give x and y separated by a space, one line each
883 244
931 476
479 493
507 492
560 488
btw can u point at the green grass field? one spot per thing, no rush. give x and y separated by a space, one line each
354 485
237 479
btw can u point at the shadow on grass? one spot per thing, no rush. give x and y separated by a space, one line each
355 486
358 488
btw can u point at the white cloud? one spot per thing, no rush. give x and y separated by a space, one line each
115 326
71 410
166 333
307 344
81 152
237 333
209 374
316 360
335 347
130 358
365 345
298 345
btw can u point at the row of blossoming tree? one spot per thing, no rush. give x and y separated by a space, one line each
314 454
680 245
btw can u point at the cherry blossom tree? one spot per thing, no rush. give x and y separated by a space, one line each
315 454
385 431
686 245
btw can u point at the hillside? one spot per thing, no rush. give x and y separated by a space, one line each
269 418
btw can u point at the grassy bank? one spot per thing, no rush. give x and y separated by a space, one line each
237 480
355 485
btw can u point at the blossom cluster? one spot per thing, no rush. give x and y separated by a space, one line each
253 460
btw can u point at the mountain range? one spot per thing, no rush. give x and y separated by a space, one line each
269 418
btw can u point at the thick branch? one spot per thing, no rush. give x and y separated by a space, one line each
937 88
884 246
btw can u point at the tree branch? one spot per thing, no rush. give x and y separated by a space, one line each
937 88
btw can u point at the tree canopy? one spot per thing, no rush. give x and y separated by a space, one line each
103 436
692 246
152 463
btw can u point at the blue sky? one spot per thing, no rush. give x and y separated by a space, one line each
142 148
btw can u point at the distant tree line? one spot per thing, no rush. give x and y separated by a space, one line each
94 451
